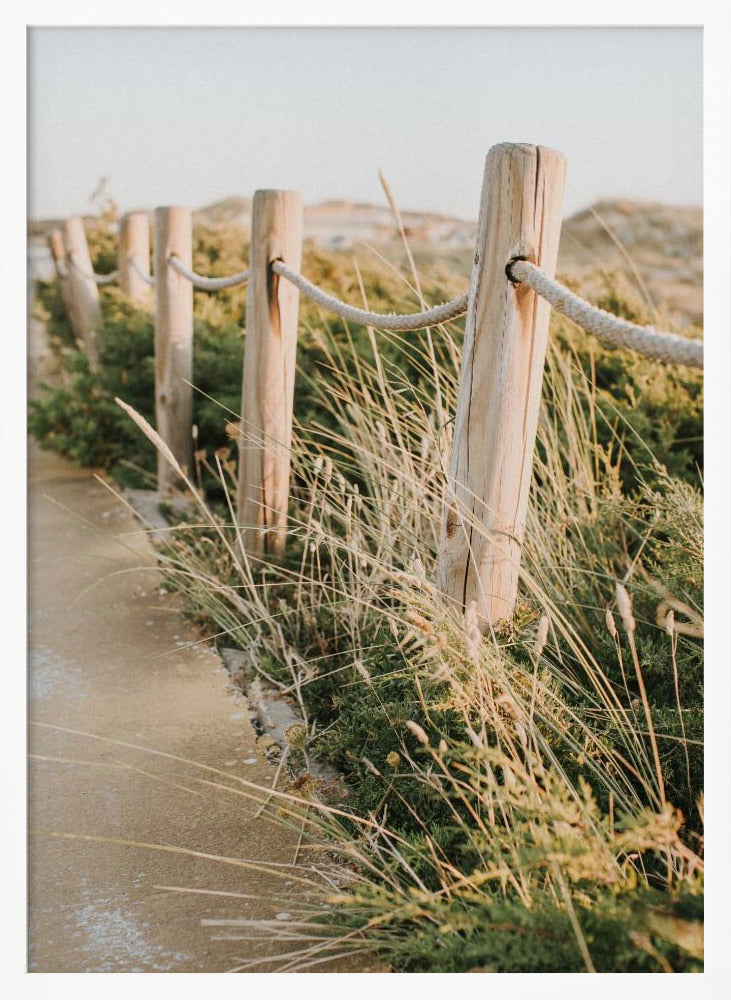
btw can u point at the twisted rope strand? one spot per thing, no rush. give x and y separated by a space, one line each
382 321
670 348
99 279
208 284
147 278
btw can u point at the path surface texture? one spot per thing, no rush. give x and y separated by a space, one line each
109 657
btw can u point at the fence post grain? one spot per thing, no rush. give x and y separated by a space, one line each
61 266
269 365
83 290
500 382
134 243
173 343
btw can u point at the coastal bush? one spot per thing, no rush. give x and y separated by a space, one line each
660 406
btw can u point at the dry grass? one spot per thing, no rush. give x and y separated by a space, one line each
548 811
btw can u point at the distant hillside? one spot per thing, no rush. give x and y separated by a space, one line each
231 211
339 224
662 244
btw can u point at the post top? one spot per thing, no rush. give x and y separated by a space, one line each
172 208
524 148
276 193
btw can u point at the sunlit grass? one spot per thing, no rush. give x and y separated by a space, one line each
525 769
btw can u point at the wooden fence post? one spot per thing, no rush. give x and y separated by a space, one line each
269 365
134 242
500 383
61 265
83 288
173 343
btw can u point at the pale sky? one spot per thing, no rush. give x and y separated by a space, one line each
191 115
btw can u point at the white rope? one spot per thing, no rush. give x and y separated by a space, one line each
382 321
99 279
147 278
208 284
668 347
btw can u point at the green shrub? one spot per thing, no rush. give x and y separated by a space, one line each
658 406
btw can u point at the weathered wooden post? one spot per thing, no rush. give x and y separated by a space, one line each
267 394
134 244
173 343
500 383
83 288
61 266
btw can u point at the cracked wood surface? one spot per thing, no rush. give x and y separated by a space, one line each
500 382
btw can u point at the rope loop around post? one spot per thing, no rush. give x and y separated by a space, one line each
670 348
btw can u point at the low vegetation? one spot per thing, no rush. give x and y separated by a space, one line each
529 800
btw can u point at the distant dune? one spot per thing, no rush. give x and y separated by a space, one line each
663 244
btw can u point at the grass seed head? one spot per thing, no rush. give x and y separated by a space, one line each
624 604
509 706
473 633
418 732
370 766
363 671
539 643
424 626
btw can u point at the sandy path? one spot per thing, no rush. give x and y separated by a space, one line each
107 657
